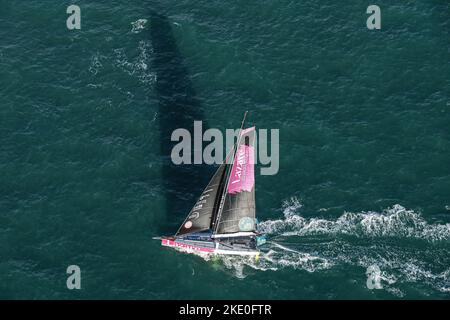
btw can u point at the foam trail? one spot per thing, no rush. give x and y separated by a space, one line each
283 247
275 259
138 25
392 222
138 68
356 241
364 239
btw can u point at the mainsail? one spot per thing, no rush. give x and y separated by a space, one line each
236 214
200 216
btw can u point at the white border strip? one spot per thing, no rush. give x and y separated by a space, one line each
236 253
231 235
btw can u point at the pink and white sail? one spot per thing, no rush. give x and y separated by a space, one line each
242 176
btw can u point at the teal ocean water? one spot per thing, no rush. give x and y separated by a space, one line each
85 123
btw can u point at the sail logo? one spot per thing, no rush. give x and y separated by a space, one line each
211 146
242 173
239 167
194 215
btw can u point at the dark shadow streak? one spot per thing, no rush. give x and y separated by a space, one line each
178 108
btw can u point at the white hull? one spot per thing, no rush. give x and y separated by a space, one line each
206 250
236 253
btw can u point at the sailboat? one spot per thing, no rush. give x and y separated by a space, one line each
223 221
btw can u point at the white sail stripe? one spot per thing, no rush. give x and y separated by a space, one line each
232 220
236 234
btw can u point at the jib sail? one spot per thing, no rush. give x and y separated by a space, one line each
200 216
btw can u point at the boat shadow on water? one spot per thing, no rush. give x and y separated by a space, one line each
179 106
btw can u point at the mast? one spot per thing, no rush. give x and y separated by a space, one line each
224 191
